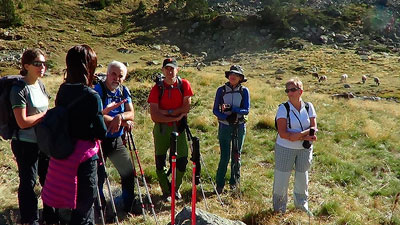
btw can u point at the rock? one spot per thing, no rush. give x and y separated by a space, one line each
280 71
195 25
202 218
123 50
156 47
154 62
175 48
323 39
341 38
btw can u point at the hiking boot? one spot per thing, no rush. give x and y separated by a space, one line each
136 208
220 190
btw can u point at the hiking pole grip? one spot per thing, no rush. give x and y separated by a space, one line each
173 148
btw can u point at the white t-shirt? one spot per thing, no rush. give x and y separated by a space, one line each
299 121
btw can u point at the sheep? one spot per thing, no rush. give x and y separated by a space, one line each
322 78
363 78
377 81
344 78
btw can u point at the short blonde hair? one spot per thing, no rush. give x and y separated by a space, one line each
296 82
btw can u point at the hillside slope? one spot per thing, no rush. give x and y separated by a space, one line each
355 175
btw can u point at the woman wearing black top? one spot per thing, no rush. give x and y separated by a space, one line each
86 124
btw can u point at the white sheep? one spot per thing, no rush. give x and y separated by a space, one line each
344 78
363 78
322 78
377 81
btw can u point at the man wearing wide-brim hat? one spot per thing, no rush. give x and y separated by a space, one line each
231 105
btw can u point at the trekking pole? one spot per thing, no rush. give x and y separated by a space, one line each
100 206
108 185
212 183
130 136
173 148
136 180
196 174
194 144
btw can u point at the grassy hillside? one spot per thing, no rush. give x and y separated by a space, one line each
355 175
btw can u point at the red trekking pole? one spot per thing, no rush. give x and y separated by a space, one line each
173 147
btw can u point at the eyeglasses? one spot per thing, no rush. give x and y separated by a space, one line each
291 90
38 63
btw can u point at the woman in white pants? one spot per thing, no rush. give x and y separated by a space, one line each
295 119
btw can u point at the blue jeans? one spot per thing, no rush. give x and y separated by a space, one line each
226 138
31 163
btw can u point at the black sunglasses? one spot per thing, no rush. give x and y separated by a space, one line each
38 63
291 90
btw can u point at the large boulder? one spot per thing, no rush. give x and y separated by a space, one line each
202 218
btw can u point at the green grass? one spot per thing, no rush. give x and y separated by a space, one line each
355 173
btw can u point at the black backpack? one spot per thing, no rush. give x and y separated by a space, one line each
8 125
159 80
287 107
53 134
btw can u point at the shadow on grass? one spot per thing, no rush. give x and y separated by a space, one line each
261 217
9 216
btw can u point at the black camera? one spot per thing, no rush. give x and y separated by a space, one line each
225 107
307 144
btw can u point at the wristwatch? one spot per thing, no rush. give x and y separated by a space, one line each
170 111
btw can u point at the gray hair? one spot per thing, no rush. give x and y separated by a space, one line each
117 64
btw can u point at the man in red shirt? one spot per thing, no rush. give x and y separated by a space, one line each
169 102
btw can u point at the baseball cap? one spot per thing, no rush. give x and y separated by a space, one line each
170 62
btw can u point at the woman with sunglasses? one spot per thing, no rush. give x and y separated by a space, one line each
72 182
30 101
295 120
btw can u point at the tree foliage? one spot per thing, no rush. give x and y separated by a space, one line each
11 18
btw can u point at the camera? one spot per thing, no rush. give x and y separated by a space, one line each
225 107
307 144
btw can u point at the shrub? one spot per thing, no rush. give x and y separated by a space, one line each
11 18
124 24
196 8
141 10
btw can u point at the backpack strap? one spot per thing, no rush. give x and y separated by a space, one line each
287 107
103 92
307 108
161 88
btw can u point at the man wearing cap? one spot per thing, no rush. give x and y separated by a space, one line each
231 105
169 102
